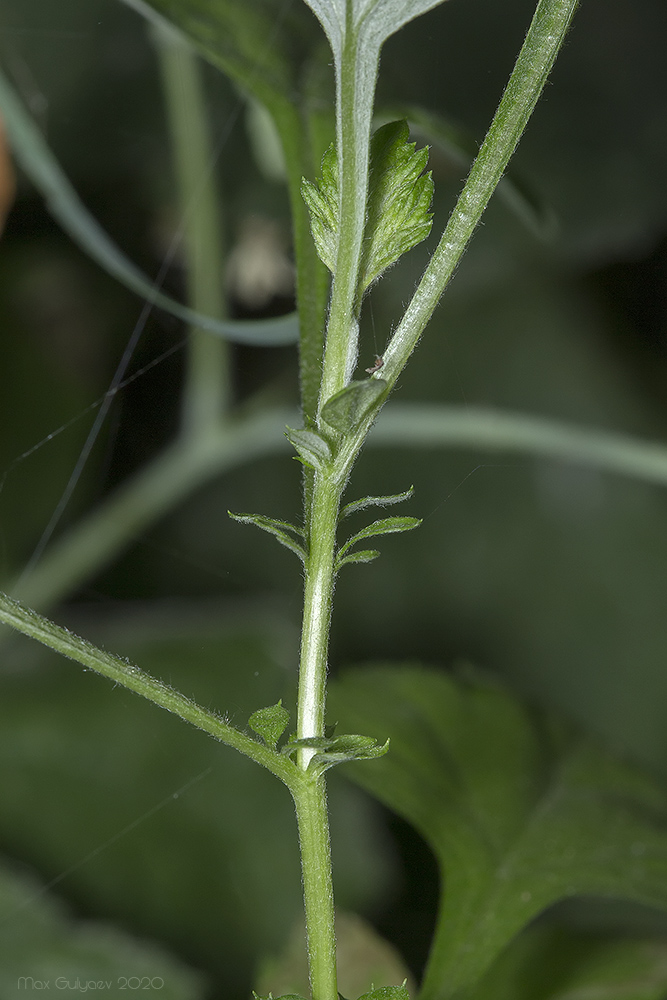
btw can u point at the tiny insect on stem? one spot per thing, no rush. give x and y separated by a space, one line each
377 366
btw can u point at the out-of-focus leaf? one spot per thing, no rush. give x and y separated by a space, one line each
519 811
41 944
556 963
263 52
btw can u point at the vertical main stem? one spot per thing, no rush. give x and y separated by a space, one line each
310 796
342 333
317 601
313 822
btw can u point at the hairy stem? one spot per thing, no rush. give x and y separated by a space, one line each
352 145
313 821
129 676
543 41
311 803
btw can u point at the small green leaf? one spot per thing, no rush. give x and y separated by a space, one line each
322 200
313 450
399 199
362 556
347 408
355 505
278 529
387 993
338 750
385 526
270 723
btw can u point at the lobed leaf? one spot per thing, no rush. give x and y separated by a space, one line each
323 201
276 528
345 411
520 811
355 505
270 723
399 199
461 147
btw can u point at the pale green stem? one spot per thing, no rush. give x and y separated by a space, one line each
206 395
352 143
537 56
311 806
129 676
313 821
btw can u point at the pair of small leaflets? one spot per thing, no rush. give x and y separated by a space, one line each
383 526
397 210
337 749
270 724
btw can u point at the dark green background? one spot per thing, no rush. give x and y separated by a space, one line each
553 576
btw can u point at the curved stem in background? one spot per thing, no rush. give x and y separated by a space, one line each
100 536
206 397
62 201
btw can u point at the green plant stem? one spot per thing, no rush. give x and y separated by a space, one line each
313 822
311 806
129 676
206 396
537 56
342 329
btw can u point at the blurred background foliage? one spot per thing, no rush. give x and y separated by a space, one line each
553 576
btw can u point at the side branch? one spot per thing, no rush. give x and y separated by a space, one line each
130 676
533 65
